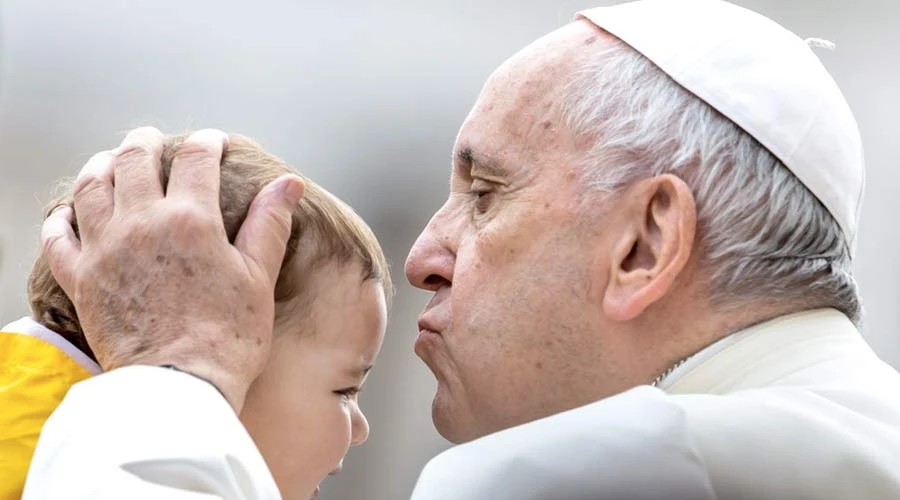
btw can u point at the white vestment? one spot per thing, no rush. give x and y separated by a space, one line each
795 408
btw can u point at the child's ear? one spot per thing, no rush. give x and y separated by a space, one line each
654 248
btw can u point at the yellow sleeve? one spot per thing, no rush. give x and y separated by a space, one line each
34 377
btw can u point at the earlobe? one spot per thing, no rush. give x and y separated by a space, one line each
655 246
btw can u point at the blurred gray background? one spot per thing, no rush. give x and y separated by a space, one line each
365 97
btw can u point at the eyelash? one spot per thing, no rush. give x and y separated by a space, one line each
349 392
479 194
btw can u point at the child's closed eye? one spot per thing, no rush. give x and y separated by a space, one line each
349 391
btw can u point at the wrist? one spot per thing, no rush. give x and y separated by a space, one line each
227 386
232 386
232 389
210 382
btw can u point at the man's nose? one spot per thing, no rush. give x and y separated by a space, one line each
430 263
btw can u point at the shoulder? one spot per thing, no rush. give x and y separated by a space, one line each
803 441
633 442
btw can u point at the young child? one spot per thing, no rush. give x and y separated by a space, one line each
330 315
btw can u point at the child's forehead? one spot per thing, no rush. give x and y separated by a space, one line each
335 289
347 319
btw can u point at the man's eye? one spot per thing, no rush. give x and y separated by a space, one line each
481 195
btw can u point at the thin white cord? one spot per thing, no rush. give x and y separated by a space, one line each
819 43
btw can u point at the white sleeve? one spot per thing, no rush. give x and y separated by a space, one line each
144 432
631 446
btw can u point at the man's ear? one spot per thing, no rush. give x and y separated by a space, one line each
654 247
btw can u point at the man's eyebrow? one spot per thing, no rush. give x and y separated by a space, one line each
475 161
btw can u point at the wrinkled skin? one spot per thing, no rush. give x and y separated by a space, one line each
153 276
542 288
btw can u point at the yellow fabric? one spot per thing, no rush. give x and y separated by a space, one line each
34 378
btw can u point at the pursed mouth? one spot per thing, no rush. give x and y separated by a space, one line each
427 344
428 326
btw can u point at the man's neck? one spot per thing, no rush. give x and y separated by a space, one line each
688 328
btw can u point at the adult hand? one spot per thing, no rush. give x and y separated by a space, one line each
154 278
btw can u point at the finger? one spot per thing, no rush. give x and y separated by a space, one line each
136 166
196 168
93 195
60 247
264 234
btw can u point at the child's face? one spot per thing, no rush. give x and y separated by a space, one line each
303 411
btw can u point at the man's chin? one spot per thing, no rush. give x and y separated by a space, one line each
448 419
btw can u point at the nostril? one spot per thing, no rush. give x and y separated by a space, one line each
434 279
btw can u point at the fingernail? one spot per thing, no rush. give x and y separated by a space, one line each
292 190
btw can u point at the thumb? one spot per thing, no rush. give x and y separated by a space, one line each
61 247
263 236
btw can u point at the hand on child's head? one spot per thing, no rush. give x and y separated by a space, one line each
154 278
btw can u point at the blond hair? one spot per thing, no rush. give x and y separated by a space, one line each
324 230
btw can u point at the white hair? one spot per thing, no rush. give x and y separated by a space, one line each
763 235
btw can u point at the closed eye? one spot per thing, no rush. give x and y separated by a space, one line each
349 391
480 192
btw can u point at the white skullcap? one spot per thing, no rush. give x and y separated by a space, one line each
762 77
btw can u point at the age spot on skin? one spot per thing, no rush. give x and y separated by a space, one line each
187 270
140 346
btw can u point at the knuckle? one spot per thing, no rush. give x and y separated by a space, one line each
99 158
98 166
52 248
183 211
280 219
135 150
86 184
49 243
198 151
188 215
148 137
138 145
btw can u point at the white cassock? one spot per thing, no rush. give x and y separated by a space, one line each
795 408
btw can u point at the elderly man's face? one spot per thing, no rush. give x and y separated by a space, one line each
515 257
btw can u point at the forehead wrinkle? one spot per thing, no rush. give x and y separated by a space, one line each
518 115
467 156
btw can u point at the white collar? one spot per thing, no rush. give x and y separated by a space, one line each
30 327
761 354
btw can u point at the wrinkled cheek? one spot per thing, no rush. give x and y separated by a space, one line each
493 248
442 360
